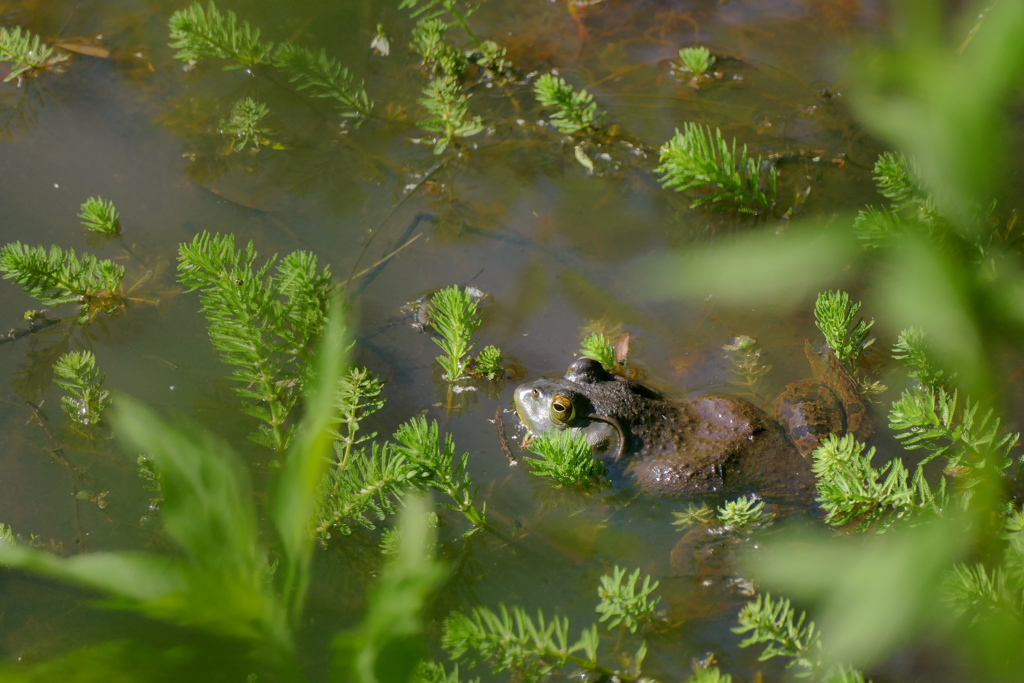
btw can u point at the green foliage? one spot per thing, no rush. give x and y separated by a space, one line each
575 111
493 59
432 9
622 603
929 419
220 581
447 106
263 321
76 373
786 634
98 214
363 489
243 129
710 674
912 348
850 489
428 40
490 363
435 466
511 639
696 158
835 316
57 277
898 179
199 34
599 347
693 515
744 512
696 60
323 76
358 397
388 643
7 538
747 366
455 316
567 457
432 672
27 54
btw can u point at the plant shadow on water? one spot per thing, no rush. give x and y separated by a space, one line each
528 151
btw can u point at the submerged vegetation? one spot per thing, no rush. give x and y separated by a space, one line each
341 467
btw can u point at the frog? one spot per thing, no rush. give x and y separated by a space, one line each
714 442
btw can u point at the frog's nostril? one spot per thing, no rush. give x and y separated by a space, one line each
536 392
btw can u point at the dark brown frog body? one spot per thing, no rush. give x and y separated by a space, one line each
713 442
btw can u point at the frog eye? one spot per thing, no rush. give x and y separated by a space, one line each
562 410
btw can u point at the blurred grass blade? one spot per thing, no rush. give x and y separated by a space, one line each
388 644
130 576
780 269
307 462
875 595
207 502
942 107
933 289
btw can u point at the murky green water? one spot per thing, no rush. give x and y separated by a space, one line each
514 214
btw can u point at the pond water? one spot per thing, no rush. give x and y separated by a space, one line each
559 251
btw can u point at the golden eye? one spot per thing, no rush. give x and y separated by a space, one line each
562 410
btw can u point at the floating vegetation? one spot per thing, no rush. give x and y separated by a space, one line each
567 457
696 158
696 60
77 374
599 347
448 108
836 317
625 603
27 54
243 130
99 215
574 111
56 276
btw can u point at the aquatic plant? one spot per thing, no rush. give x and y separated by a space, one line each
99 215
490 363
836 317
428 39
912 348
435 466
77 374
57 276
243 130
696 60
599 347
851 490
574 111
263 321
747 365
324 77
512 640
776 623
623 602
200 34
432 9
455 314
697 158
207 34
27 53
790 635
931 419
447 106
567 457
747 511
693 515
